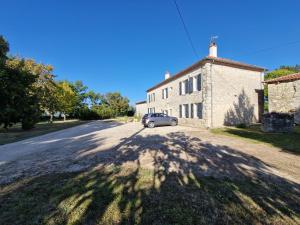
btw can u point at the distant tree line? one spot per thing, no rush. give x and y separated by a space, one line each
28 91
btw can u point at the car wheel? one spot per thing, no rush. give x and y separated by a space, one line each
173 123
151 125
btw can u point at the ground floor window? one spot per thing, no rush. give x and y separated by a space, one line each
186 110
194 110
151 110
200 110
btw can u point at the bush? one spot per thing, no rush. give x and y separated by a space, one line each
88 114
241 125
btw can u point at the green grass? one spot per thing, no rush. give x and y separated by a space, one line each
115 196
16 133
285 141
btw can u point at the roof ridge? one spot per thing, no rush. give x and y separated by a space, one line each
221 61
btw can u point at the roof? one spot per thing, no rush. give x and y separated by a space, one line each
141 102
287 78
214 60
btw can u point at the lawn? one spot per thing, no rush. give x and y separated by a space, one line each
286 141
16 133
140 196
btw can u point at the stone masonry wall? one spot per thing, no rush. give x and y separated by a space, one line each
174 99
285 97
141 109
223 95
234 96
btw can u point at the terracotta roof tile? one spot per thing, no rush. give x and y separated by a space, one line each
287 78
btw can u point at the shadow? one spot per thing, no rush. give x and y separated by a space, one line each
289 142
241 113
297 116
157 179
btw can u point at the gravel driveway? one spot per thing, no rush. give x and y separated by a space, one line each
180 149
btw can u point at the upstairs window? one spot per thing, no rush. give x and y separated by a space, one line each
199 82
190 85
165 93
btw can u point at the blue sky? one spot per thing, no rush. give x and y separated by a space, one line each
127 45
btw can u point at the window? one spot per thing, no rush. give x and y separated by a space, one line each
200 110
180 88
165 93
154 97
180 111
186 86
186 110
192 110
199 82
190 85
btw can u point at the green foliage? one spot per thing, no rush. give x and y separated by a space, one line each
18 99
4 48
104 111
28 88
67 98
118 104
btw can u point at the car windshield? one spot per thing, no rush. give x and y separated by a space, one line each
145 116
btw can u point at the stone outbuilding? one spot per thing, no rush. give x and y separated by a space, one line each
284 95
141 108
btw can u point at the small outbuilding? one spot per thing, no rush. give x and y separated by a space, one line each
284 95
141 108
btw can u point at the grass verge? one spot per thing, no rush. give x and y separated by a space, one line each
16 133
142 196
285 141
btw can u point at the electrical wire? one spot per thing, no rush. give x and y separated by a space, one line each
185 28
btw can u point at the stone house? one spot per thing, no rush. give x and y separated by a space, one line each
210 93
141 108
284 95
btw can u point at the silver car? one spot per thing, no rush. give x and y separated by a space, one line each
158 119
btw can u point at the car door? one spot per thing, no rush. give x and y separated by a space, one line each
165 119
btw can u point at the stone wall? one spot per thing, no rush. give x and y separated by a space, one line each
174 99
141 109
285 97
227 93
234 96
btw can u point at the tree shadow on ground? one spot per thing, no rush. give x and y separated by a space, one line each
241 113
155 179
289 142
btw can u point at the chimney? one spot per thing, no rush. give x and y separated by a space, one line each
167 75
213 49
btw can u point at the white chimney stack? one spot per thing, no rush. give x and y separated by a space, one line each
213 49
167 75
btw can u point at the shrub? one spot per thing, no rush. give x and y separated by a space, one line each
88 114
241 125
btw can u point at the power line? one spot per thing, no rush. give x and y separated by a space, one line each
271 48
185 28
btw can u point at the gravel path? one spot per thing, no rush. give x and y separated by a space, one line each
181 149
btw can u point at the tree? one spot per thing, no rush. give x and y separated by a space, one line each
94 98
4 48
67 98
117 103
18 99
45 86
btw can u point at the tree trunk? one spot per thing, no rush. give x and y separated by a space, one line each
64 117
51 118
